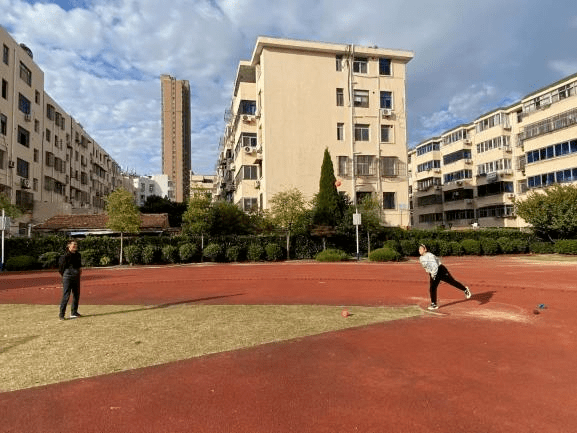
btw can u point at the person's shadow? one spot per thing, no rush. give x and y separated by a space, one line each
482 298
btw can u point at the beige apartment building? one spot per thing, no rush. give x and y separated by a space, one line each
469 175
48 163
294 99
176 133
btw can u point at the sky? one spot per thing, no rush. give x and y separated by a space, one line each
102 59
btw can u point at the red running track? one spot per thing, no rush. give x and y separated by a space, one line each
483 365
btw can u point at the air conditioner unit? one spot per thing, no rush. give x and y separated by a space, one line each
386 112
508 149
438 187
24 183
468 161
469 201
11 164
459 182
507 127
27 117
511 196
247 149
245 118
467 141
259 149
257 184
437 170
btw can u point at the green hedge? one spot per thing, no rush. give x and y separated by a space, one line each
332 255
542 247
49 260
21 263
273 252
471 247
568 246
384 254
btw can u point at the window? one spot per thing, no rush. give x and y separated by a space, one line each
23 137
386 99
384 66
250 172
25 74
340 98
35 184
364 165
360 65
50 111
5 54
49 158
340 131
37 97
4 88
3 124
361 98
36 155
361 132
23 104
24 200
389 200
343 166
249 204
150 189
48 135
22 168
247 107
386 133
389 166
2 167
339 63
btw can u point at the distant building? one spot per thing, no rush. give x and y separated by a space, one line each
201 182
292 100
469 175
48 163
158 185
176 131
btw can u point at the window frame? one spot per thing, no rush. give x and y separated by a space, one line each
361 65
360 130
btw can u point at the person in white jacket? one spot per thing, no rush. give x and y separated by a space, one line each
437 273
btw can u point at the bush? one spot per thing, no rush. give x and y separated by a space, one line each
21 263
456 248
542 247
394 245
431 244
149 254
105 261
212 252
169 254
384 255
273 252
132 254
489 246
187 252
409 247
568 246
471 246
254 252
520 245
506 245
90 258
233 253
331 255
445 248
49 260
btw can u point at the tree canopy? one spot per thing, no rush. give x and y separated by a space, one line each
10 210
123 214
286 209
157 204
328 206
551 212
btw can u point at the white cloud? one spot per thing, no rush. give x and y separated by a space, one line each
564 67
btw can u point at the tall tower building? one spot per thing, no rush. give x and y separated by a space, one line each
176 135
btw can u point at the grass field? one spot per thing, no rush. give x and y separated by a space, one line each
38 349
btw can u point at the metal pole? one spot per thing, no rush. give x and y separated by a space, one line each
3 223
352 106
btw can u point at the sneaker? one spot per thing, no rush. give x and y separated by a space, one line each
61 318
433 306
75 315
468 293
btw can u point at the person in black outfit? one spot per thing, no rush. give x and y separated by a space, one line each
69 267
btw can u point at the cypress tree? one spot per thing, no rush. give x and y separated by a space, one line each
328 211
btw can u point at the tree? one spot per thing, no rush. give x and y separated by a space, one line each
157 204
328 208
286 208
551 212
370 210
9 209
197 217
229 219
123 215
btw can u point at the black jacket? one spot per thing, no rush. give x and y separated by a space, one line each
69 261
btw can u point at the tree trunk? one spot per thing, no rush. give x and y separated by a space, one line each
288 244
369 243
121 244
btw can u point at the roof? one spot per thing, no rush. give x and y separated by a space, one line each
97 223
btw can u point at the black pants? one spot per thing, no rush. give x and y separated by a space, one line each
70 283
442 275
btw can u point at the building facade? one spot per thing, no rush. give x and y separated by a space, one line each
48 163
469 175
176 130
157 185
203 183
293 100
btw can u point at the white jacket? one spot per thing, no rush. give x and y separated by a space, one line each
431 263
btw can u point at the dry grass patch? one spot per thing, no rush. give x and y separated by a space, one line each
549 258
38 349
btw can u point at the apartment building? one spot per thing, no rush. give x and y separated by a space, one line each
470 174
48 163
156 185
203 183
293 100
176 130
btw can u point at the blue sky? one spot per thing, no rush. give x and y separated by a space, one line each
102 59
